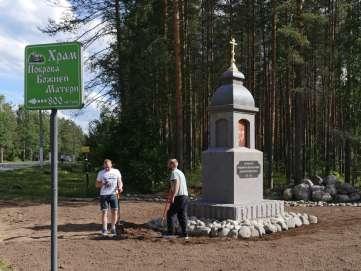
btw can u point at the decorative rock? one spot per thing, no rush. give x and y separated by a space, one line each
237 227
254 232
307 181
288 194
342 198
291 223
191 228
312 219
298 222
260 229
317 180
321 196
241 229
214 232
202 231
346 188
317 188
269 228
302 192
331 189
304 219
223 232
330 180
283 225
233 233
354 196
278 226
217 224
244 232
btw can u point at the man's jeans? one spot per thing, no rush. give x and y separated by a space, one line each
179 208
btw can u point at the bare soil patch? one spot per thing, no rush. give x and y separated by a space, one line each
333 244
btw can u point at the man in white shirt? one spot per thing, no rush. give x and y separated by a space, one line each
109 180
178 199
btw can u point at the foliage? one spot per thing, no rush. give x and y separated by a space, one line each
301 60
4 266
19 134
34 183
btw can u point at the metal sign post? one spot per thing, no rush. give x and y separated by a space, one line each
54 188
53 80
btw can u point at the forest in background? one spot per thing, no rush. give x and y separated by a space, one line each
20 130
161 61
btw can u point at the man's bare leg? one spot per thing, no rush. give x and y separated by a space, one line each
105 219
114 217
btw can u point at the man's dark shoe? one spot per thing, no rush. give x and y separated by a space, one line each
168 235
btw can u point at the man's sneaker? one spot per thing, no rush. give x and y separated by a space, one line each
104 232
113 232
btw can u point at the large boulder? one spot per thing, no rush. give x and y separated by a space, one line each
317 180
307 181
331 189
346 188
244 232
330 180
317 188
319 195
288 194
354 196
224 232
302 191
202 231
312 219
342 198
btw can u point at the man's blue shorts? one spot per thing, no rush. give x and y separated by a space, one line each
108 200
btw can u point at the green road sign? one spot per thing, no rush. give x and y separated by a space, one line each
53 76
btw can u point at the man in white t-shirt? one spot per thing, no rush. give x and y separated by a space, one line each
109 180
178 199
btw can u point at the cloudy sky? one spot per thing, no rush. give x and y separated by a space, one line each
19 23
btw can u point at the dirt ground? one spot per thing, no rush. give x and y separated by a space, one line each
333 244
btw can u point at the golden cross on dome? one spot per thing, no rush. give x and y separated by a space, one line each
233 54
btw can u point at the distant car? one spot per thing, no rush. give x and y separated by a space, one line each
66 158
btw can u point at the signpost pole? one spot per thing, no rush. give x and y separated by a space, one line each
41 140
53 80
54 188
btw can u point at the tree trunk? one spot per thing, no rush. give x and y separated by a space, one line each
118 37
271 102
178 82
299 106
1 154
348 160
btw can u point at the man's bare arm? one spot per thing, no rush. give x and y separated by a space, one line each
120 185
174 189
98 184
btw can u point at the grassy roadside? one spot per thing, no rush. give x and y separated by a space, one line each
34 183
4 266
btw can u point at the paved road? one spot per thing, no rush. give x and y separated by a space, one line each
17 165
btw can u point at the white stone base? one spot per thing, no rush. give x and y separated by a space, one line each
263 209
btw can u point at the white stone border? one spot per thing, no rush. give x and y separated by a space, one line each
301 203
241 229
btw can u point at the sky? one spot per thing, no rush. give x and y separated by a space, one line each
19 26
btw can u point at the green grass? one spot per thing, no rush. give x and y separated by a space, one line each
4 266
35 183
